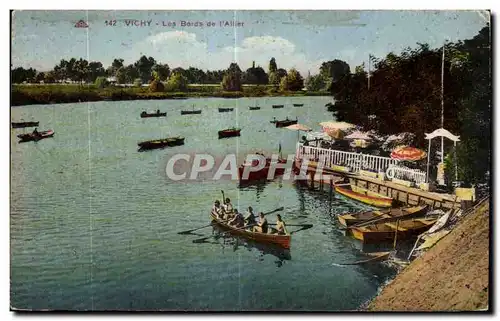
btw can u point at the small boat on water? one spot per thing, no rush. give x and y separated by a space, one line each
364 195
286 122
144 114
298 105
260 174
36 136
348 220
406 228
160 143
190 112
278 106
224 110
281 240
230 132
25 124
254 107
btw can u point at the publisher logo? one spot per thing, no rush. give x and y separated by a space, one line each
81 24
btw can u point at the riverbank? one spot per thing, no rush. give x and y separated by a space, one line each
59 94
452 276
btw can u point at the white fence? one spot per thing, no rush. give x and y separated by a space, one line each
358 161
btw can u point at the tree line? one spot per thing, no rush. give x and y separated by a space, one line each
403 94
147 69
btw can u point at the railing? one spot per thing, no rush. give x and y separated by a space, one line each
356 161
408 174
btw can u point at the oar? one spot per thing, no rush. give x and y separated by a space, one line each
198 228
207 237
301 225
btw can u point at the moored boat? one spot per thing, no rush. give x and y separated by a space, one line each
254 107
25 124
260 174
365 196
223 110
157 114
363 217
36 137
285 123
281 240
382 232
160 143
278 106
298 105
230 132
191 112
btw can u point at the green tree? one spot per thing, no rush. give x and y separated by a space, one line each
101 82
232 78
95 70
144 66
315 83
176 82
272 66
293 81
156 86
335 69
121 75
161 72
255 75
50 77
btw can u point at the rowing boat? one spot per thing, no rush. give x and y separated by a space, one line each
361 217
156 114
160 143
278 106
25 124
224 110
285 123
365 196
281 240
406 228
35 137
298 105
230 132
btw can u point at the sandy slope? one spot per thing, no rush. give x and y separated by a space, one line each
451 276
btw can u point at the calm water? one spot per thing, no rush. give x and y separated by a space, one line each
94 222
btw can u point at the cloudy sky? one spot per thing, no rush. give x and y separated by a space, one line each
300 39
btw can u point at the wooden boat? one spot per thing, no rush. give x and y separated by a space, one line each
362 217
190 112
160 143
278 106
230 132
254 107
157 114
286 122
281 240
25 124
224 110
363 195
298 105
35 137
406 228
262 173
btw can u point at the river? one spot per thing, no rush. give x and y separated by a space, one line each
94 222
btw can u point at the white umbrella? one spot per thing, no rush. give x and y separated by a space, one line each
299 127
336 125
358 135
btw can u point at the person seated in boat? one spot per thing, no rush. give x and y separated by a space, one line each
228 207
35 132
237 220
217 209
280 227
262 225
158 111
250 217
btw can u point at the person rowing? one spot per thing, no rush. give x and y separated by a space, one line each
250 217
228 207
238 220
280 226
217 209
262 225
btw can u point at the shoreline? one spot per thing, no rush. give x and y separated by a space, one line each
24 95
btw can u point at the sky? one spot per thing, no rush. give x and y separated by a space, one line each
296 39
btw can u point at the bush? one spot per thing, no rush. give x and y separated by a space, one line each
177 82
156 86
101 82
138 82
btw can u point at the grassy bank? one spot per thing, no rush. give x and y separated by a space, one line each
451 276
56 93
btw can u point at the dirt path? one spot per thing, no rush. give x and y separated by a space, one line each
451 276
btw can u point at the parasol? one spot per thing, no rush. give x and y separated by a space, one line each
408 153
336 125
358 135
298 127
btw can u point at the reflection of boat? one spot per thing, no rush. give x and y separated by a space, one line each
360 217
364 195
35 137
278 106
298 105
281 240
260 174
160 143
381 232
230 132
223 110
286 122
25 124
157 114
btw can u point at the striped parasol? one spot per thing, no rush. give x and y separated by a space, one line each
408 153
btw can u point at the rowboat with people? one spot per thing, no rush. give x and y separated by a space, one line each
144 114
350 219
281 240
35 136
